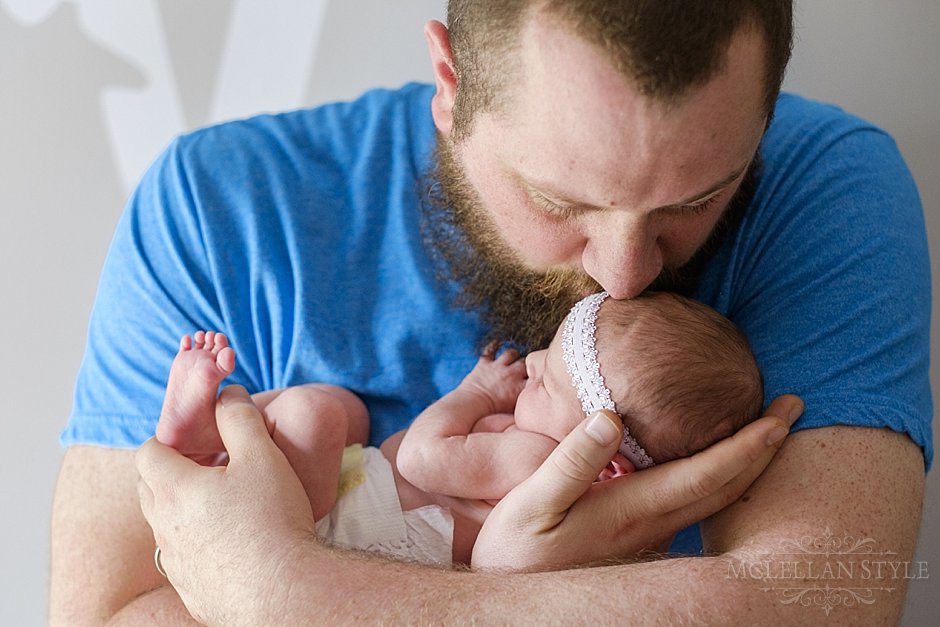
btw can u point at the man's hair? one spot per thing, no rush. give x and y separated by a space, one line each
666 47
681 375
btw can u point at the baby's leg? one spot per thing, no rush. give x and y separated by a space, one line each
187 421
312 424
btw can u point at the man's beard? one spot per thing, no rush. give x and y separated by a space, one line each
518 305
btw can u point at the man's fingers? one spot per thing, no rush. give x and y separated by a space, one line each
539 506
698 486
689 481
626 513
241 424
161 469
572 467
159 462
787 407
145 495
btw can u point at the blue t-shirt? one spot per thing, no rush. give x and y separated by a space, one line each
298 236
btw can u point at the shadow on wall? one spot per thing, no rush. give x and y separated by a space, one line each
378 56
55 148
196 26
58 173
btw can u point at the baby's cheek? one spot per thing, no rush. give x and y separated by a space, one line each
527 413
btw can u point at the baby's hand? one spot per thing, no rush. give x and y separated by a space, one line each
498 379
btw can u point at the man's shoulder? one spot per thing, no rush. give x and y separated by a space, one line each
806 125
312 157
817 154
793 108
338 128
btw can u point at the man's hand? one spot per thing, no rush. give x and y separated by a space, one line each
224 531
560 517
497 379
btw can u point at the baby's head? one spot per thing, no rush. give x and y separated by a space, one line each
680 375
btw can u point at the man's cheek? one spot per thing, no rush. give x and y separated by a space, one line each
542 247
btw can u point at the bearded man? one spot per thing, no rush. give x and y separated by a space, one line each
567 146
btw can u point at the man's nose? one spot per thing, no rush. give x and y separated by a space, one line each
624 255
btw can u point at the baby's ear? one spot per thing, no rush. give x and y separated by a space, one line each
616 467
622 465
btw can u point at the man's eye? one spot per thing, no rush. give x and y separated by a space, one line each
553 208
696 209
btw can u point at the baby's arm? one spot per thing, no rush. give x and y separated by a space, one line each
451 448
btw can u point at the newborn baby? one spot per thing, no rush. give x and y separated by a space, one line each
679 375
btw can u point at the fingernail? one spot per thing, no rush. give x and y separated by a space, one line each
777 434
235 388
602 429
796 409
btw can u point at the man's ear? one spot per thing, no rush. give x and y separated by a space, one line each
445 78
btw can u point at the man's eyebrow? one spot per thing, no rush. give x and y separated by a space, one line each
560 197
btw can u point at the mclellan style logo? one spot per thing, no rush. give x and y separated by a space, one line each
829 571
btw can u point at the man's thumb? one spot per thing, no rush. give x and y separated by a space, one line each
241 423
577 461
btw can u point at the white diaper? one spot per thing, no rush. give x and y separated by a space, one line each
368 515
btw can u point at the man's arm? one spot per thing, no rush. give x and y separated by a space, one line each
835 480
831 486
102 548
813 485
822 481
847 483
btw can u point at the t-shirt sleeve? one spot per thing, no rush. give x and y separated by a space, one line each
831 278
295 235
156 285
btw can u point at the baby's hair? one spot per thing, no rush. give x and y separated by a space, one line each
682 376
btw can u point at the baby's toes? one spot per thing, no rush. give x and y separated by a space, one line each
225 359
220 343
186 343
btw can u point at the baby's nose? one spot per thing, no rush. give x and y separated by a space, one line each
529 368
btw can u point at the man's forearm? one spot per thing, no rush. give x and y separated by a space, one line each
343 587
101 546
260 562
157 607
755 574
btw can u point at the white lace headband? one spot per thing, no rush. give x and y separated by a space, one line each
580 355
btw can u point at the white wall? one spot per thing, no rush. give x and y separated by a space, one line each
92 90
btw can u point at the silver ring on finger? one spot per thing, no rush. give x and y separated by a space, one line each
158 563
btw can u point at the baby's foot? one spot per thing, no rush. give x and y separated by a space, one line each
187 422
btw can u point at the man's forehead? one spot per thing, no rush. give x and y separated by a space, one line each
577 119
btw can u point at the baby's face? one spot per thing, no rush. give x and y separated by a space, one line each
549 403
